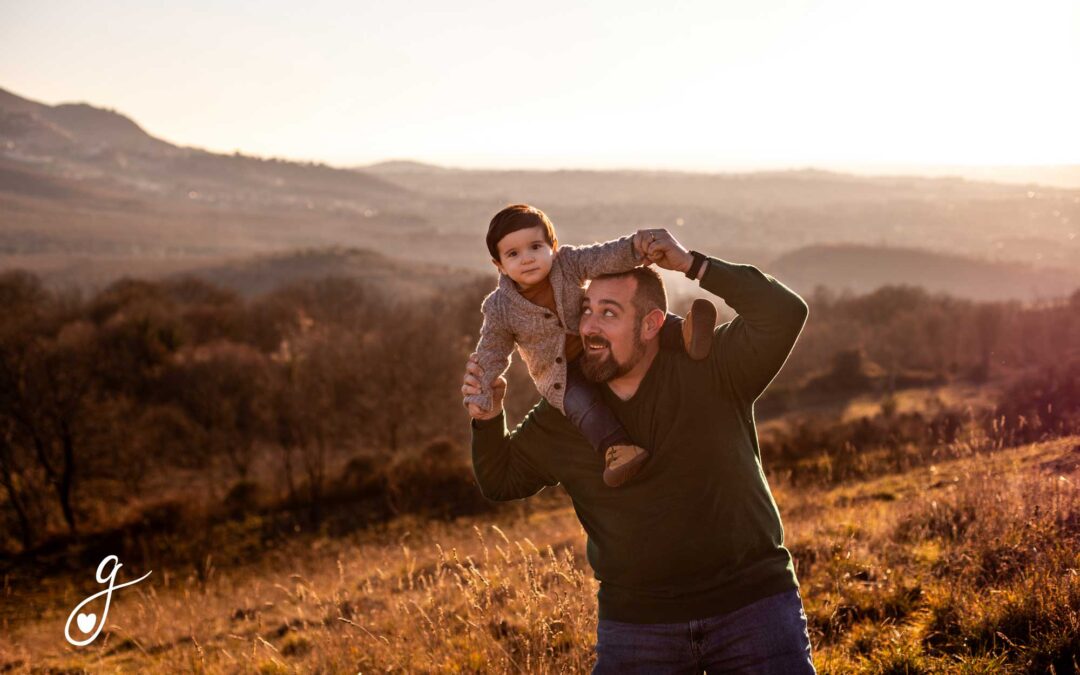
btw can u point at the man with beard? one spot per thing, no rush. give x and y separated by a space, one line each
690 557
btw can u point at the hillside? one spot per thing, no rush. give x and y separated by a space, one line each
256 275
929 570
86 195
859 269
765 214
72 128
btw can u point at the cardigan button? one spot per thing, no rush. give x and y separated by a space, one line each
547 315
558 385
558 359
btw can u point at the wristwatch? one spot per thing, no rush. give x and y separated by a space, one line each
695 267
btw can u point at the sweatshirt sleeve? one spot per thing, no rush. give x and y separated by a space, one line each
503 463
492 351
610 257
749 350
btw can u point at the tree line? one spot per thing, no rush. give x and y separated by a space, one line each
154 387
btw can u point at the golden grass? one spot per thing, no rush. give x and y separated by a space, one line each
969 566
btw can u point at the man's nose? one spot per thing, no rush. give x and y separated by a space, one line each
585 325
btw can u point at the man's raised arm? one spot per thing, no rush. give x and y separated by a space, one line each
749 350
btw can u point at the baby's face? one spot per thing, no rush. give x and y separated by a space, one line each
525 256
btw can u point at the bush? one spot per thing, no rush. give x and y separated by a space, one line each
244 497
437 481
361 477
164 514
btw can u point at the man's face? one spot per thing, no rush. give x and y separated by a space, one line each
610 329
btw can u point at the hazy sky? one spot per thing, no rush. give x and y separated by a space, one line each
696 84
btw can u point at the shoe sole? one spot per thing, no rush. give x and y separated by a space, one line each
617 477
702 318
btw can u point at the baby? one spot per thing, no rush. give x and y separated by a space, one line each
537 306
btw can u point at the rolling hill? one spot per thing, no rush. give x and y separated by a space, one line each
256 275
861 269
86 195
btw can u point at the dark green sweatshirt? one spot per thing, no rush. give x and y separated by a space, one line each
696 532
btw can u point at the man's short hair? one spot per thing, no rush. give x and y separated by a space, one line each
518 217
649 294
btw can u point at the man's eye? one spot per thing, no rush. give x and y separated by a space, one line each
608 312
586 312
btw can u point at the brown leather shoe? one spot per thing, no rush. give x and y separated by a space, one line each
697 329
621 462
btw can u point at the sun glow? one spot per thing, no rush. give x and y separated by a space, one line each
697 85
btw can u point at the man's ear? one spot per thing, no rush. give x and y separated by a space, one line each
652 323
498 266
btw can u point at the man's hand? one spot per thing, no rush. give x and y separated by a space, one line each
664 250
471 385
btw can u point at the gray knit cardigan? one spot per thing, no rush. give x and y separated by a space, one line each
540 336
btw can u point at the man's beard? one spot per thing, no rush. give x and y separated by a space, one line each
603 368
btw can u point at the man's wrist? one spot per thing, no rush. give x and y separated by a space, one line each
695 270
484 422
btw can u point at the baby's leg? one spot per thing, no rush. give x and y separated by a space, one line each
587 411
693 335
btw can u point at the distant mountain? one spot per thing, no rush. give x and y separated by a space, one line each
766 214
103 148
864 268
1049 175
398 166
256 275
72 128
86 195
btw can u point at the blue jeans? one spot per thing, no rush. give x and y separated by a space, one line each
588 412
766 636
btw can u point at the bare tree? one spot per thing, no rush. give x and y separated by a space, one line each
988 321
317 405
45 391
15 480
221 387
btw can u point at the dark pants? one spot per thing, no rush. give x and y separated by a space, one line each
587 411
765 637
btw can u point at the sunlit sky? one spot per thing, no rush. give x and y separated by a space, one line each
701 84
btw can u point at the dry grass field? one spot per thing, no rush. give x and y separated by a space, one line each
970 566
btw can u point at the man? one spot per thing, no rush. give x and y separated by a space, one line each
690 557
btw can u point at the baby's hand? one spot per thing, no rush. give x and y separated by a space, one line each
471 386
641 246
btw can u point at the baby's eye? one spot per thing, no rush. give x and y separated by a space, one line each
511 254
537 247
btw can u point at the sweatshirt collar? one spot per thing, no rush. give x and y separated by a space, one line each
647 383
